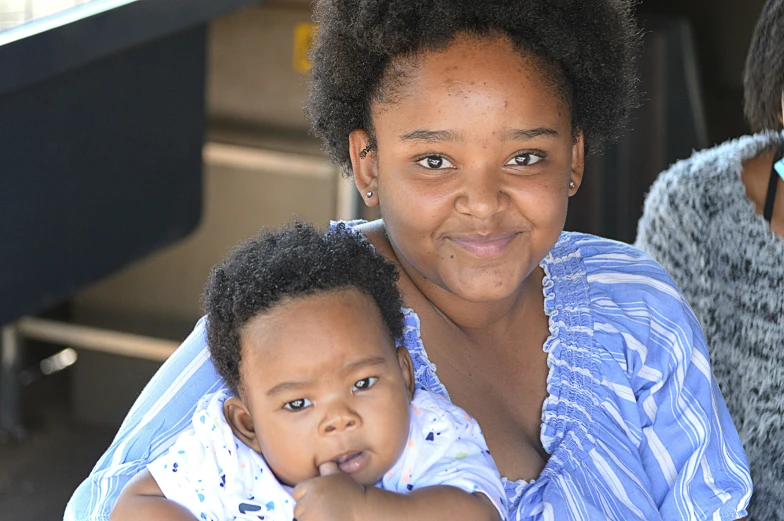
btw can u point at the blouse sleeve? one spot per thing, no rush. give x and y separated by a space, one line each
690 448
160 413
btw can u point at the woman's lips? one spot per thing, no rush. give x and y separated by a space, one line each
484 246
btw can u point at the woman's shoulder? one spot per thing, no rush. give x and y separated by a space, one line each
707 173
370 231
626 290
601 258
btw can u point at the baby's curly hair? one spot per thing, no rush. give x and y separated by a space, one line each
291 262
589 46
763 77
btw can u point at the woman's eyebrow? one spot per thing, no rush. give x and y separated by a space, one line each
431 136
529 133
440 136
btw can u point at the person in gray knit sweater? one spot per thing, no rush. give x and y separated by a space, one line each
715 223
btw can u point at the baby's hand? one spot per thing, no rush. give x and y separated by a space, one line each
333 496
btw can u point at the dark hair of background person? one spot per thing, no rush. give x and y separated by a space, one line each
587 49
291 262
763 78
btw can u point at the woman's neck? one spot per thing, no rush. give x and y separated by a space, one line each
755 177
476 319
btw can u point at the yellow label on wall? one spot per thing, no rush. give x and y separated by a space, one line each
303 38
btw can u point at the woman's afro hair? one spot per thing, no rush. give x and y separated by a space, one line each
291 262
763 78
590 46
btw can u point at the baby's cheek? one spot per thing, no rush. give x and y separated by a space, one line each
290 459
401 429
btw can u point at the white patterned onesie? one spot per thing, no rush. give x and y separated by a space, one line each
219 478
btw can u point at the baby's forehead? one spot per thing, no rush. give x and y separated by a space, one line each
348 300
309 328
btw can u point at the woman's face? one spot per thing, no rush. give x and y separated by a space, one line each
472 167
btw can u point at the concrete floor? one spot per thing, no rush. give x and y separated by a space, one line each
39 473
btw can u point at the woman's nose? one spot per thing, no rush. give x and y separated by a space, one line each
340 419
482 195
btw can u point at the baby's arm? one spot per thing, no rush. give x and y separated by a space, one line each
435 503
142 498
336 497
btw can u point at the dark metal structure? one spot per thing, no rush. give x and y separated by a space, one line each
102 116
669 124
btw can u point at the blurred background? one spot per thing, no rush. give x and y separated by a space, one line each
140 140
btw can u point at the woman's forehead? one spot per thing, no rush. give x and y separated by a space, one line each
465 64
474 77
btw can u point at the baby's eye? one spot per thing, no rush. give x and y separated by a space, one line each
524 159
435 162
298 404
365 383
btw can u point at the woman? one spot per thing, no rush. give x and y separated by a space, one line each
467 124
716 222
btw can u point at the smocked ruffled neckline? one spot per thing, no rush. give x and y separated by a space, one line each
574 367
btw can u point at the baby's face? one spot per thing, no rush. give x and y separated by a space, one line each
322 382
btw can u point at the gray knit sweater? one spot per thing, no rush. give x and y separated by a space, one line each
698 223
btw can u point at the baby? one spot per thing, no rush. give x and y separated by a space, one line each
322 420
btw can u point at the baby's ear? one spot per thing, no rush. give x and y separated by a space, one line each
407 367
241 422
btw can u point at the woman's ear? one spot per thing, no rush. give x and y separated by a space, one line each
241 422
578 164
407 367
364 165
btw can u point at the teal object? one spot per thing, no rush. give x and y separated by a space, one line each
779 166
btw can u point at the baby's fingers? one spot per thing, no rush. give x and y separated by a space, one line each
301 490
303 507
328 468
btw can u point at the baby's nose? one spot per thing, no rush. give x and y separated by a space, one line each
339 421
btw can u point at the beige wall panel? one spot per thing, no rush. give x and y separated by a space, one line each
167 285
252 78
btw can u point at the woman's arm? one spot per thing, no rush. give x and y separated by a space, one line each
689 447
672 230
142 498
162 411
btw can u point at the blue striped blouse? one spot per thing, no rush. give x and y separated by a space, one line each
634 423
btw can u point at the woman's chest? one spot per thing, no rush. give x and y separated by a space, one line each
504 390
509 410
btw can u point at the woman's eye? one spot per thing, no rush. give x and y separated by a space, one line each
298 404
525 159
435 162
365 383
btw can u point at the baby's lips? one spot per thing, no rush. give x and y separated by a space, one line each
353 462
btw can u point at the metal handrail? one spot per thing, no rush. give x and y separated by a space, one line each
95 339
